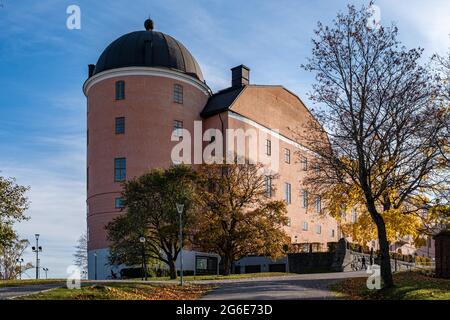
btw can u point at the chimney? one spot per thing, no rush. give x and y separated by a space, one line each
91 68
240 76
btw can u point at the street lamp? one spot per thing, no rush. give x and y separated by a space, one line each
20 267
144 263
95 265
46 270
37 249
180 208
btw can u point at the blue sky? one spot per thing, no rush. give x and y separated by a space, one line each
43 66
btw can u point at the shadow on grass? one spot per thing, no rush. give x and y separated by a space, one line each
408 286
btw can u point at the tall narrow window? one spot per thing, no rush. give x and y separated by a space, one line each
87 137
268 147
178 93
304 163
119 203
178 128
120 125
120 169
304 199
287 192
318 229
332 233
120 90
305 226
268 185
287 155
318 204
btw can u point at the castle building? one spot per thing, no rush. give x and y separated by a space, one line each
145 87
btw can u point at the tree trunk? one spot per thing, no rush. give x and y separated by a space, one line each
226 265
385 260
172 269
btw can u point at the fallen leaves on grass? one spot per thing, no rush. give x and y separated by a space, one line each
142 292
408 286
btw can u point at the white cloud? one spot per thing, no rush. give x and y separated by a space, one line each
421 23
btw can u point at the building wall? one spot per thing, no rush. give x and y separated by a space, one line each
275 108
149 113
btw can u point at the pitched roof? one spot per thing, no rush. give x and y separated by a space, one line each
221 101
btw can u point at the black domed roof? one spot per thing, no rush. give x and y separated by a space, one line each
148 49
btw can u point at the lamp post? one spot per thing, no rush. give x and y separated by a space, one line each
46 270
37 249
180 208
95 265
20 267
144 263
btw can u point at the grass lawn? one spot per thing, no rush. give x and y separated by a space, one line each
18 283
124 291
222 277
408 286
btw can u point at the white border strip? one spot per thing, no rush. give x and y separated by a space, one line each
145 71
273 133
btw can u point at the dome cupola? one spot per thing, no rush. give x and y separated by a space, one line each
148 48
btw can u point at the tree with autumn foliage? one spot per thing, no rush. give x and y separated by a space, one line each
377 107
236 215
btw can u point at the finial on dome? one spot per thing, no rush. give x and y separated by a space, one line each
148 24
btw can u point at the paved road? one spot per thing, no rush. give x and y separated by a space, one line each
12 292
305 286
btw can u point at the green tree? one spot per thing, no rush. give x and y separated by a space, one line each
236 214
13 204
9 267
150 203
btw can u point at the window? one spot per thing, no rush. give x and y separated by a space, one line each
305 226
318 229
120 125
354 215
178 128
119 203
268 185
120 169
268 147
304 163
332 233
287 192
88 234
318 204
287 155
120 90
304 199
177 93
87 137
317 168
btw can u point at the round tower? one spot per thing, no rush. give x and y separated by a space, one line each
144 86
